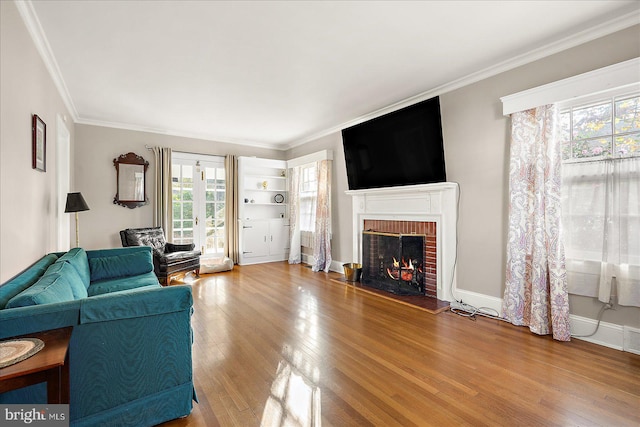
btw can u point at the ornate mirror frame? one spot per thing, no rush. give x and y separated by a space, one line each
131 181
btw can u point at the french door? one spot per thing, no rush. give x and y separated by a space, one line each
198 186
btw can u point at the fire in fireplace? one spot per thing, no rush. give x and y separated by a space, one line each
394 262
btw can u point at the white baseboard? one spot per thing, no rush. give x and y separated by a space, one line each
631 339
608 335
306 259
478 300
335 266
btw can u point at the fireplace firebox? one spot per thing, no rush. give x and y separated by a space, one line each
394 262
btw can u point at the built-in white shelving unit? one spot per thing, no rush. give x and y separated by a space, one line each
263 211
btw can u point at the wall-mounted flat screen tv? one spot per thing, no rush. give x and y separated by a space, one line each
404 147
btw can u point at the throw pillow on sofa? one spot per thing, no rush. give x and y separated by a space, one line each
25 279
75 282
77 257
51 288
125 265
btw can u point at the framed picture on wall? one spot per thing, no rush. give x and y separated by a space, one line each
39 144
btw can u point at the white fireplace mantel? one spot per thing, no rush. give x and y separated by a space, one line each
426 202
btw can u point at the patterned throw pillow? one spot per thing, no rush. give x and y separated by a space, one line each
155 240
153 237
133 238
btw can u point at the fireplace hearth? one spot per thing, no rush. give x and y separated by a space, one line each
394 262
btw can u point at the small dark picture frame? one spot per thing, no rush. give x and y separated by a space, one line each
39 144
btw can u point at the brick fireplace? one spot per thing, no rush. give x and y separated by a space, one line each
428 257
429 210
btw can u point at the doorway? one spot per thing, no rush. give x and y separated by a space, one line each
199 188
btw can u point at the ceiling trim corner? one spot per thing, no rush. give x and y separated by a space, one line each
31 21
177 133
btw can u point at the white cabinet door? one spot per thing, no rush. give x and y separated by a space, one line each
279 236
264 240
255 240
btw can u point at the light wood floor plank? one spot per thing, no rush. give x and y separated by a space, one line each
292 341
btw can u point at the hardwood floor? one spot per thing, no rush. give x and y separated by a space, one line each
279 345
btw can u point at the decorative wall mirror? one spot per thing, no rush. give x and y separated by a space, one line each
131 171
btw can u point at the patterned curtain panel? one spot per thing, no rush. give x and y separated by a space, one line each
536 281
294 216
322 235
232 238
162 209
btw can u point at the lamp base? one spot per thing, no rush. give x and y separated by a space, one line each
77 231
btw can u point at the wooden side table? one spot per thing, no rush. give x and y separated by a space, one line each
50 365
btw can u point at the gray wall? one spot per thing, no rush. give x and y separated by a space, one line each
95 176
476 140
28 228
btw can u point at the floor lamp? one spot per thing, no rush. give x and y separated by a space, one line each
76 203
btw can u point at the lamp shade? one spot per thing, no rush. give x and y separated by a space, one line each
75 203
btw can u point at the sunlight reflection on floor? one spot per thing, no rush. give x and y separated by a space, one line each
295 392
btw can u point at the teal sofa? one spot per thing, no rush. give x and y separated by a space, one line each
130 350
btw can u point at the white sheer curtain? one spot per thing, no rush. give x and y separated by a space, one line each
294 216
536 282
322 234
162 209
307 202
601 217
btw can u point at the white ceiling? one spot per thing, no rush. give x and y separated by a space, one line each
278 73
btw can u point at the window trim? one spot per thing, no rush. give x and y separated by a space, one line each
623 76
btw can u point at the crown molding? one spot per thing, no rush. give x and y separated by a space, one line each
600 30
182 134
31 21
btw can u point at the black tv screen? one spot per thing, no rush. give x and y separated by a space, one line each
403 147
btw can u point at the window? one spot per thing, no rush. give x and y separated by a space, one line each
182 188
602 130
600 125
591 135
215 191
308 195
601 197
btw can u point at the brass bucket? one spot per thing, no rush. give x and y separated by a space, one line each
352 271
